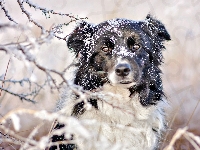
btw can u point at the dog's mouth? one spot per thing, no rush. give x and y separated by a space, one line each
125 82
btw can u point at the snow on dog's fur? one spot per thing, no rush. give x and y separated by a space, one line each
119 64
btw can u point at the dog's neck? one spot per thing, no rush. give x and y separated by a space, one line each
118 92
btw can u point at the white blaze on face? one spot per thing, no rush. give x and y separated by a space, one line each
115 79
124 52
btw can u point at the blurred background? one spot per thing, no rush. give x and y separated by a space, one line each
181 68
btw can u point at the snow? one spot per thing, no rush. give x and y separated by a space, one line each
16 121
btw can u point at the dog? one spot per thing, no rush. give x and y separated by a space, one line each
118 70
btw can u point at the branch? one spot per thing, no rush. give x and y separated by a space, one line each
20 2
5 76
2 2
48 11
21 96
21 82
24 96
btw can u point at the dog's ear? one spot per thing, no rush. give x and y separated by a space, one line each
78 37
155 28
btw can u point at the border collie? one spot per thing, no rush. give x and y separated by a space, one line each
122 99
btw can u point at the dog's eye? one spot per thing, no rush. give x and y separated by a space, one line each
134 47
107 45
105 49
131 42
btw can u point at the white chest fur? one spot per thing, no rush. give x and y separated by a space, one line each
122 120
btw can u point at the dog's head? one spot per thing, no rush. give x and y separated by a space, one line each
120 50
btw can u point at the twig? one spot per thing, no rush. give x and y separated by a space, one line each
31 135
193 112
47 11
6 12
195 138
21 96
29 16
5 76
16 136
191 141
9 138
175 137
21 82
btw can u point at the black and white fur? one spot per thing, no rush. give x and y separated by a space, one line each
119 64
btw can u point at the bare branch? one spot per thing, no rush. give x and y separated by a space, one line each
8 138
21 82
5 76
2 2
48 11
21 96
20 2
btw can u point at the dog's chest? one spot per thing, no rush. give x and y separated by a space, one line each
116 106
122 119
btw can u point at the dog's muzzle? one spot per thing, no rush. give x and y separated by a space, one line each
123 73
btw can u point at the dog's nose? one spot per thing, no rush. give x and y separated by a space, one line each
122 69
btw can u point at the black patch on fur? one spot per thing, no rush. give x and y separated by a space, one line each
79 108
57 138
64 147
